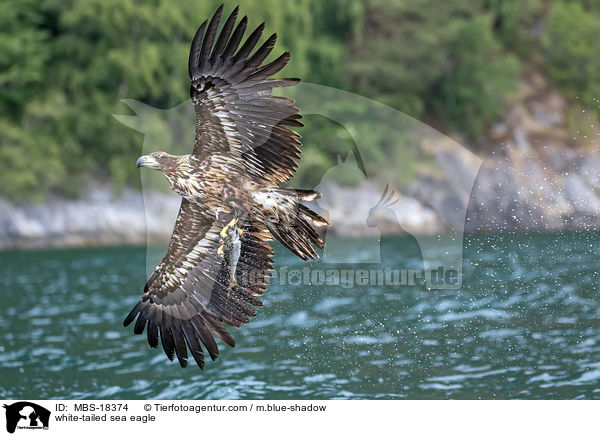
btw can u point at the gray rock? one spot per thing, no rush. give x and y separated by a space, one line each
97 218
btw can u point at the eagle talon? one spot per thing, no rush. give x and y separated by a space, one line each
225 230
221 250
232 283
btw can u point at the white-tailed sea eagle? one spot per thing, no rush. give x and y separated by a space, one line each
218 261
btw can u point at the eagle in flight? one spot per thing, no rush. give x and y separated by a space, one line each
218 261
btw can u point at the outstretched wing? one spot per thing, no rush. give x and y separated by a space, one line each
186 299
236 112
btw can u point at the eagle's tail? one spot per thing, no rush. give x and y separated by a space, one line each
294 223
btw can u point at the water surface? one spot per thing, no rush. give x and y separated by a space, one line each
525 324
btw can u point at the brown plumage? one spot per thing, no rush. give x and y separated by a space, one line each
243 150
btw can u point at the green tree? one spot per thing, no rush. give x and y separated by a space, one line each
433 60
65 64
571 51
476 76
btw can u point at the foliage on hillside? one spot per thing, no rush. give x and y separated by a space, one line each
64 65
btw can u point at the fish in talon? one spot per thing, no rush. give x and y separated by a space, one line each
234 251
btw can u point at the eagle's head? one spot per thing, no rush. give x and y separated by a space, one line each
159 160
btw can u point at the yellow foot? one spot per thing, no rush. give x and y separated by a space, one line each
232 283
221 250
225 229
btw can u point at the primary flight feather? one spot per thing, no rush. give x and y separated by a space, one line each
218 261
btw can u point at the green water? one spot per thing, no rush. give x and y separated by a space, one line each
525 324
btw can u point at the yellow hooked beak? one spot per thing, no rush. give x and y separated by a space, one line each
147 161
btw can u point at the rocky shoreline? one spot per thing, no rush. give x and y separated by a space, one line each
97 218
521 188
131 218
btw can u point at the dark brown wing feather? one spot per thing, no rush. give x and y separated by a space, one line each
186 299
235 111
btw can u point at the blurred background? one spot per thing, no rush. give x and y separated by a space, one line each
510 91
515 82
